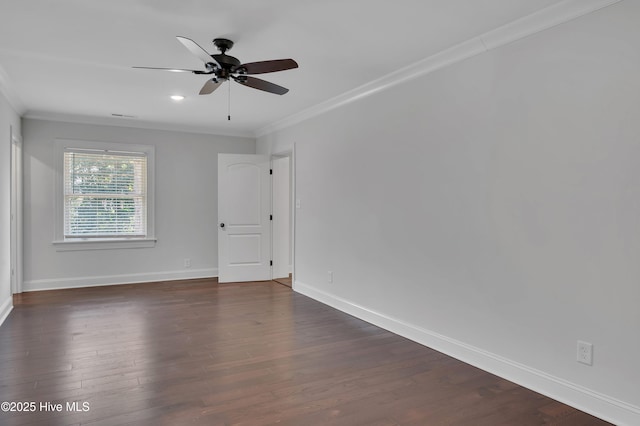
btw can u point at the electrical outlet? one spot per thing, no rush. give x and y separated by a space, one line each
330 276
585 352
187 262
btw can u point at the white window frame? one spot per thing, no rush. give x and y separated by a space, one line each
59 241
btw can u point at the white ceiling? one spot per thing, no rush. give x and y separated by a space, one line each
73 58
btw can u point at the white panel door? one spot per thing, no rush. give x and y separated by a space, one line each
244 226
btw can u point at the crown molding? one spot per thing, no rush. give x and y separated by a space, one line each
526 26
542 20
134 123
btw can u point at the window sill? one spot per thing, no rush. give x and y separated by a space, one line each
110 244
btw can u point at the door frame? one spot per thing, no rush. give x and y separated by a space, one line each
16 213
292 213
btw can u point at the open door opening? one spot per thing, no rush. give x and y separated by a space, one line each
282 219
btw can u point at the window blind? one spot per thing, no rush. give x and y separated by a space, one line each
105 194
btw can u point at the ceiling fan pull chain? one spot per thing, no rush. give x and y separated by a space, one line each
229 103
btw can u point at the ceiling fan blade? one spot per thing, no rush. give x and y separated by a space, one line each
210 86
259 84
267 66
197 50
167 69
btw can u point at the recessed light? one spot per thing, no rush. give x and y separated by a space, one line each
177 97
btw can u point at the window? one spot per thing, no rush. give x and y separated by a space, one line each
105 195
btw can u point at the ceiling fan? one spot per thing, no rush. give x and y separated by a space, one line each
223 67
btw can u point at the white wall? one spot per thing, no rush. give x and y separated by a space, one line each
491 209
9 119
186 174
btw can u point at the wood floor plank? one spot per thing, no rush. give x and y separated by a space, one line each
198 352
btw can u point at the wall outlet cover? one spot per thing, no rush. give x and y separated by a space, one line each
585 352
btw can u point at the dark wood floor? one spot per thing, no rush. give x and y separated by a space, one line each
195 352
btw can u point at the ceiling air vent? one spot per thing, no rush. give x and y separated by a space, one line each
123 116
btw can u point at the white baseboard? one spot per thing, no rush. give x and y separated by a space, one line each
595 403
77 282
5 309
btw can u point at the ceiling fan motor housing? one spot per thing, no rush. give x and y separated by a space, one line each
227 63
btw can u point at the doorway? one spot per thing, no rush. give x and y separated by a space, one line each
16 213
255 244
282 229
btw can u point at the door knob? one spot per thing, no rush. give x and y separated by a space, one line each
222 225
